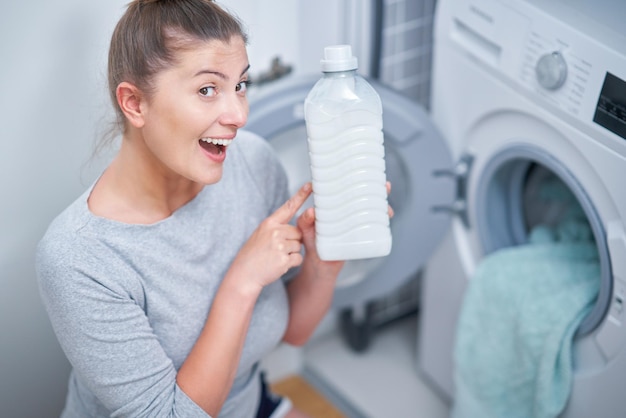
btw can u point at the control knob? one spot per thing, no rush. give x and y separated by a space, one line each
551 70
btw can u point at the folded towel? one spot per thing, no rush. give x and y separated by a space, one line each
513 350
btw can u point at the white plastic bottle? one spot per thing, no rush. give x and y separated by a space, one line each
343 115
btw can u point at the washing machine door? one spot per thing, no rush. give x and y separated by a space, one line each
415 156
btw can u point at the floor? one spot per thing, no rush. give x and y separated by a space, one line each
306 398
383 381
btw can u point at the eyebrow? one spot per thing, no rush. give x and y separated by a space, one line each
219 74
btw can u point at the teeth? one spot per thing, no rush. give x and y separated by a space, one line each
224 142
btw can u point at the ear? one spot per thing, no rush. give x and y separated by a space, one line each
129 99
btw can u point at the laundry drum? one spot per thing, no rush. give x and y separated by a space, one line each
511 201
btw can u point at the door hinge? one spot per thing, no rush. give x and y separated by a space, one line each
460 174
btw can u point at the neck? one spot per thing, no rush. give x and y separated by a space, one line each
138 188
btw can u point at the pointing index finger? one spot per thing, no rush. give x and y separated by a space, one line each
288 210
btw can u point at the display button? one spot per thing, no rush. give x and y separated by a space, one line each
551 70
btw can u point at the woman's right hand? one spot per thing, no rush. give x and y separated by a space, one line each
275 246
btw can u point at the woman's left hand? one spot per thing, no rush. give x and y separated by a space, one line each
306 224
311 291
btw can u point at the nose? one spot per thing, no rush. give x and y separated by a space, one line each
235 111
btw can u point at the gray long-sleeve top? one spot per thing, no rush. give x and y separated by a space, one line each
127 302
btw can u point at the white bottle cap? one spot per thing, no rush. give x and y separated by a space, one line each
338 58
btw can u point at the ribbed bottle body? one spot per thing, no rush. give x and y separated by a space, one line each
343 115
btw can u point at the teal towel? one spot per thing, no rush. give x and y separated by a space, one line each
514 340
513 350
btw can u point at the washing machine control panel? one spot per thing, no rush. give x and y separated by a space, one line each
580 75
564 60
555 71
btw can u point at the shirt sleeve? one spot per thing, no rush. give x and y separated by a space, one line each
95 309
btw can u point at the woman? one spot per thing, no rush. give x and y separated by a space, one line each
162 281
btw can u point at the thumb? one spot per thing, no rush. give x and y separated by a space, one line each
306 220
306 225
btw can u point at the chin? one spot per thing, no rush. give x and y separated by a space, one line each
211 178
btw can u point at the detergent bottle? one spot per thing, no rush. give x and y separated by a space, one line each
343 116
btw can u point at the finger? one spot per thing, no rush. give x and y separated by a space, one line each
389 208
288 232
292 246
287 211
307 219
295 259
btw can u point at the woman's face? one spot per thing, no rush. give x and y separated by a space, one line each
198 105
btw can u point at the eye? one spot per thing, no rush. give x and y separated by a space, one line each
208 91
243 86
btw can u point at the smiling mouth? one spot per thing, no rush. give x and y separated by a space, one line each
215 146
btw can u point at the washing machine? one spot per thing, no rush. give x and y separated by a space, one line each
521 86
371 291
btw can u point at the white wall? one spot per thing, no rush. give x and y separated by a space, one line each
51 84
297 31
